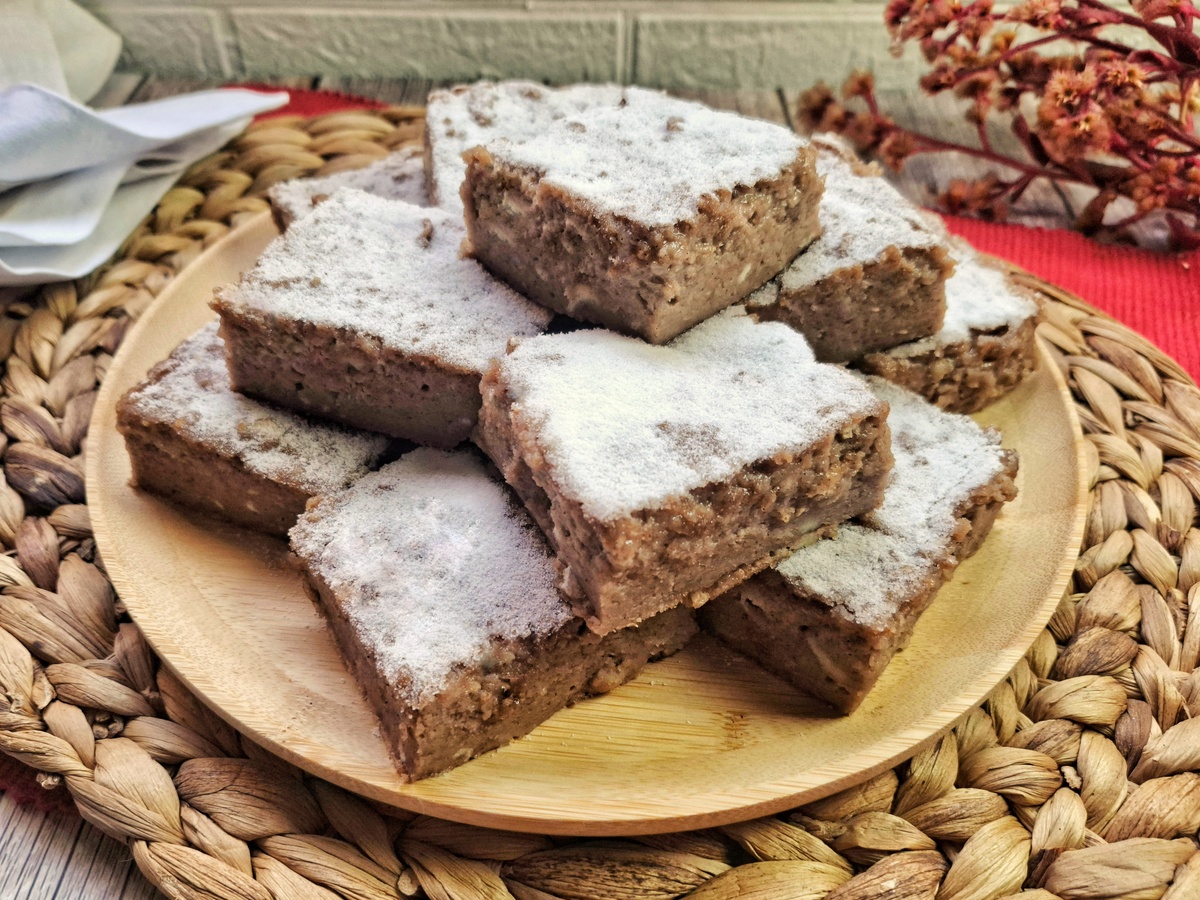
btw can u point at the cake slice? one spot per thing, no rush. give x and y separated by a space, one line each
364 312
646 214
194 441
398 176
831 617
985 348
465 116
875 277
664 475
440 591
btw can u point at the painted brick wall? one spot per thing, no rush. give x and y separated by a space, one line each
698 44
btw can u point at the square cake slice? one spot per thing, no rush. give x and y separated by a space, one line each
364 312
875 277
440 592
985 348
465 116
398 176
646 215
665 475
831 617
194 441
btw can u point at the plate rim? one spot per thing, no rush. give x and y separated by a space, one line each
785 793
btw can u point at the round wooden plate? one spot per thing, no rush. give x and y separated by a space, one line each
700 739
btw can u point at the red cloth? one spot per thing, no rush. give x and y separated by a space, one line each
313 103
20 783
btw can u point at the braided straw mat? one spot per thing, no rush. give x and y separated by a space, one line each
1078 778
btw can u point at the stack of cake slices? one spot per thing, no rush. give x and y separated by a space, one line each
599 369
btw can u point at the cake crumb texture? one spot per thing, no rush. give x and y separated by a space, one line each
872 567
624 425
980 297
436 561
190 392
391 272
650 158
862 215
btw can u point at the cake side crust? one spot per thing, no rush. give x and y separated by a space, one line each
348 378
651 281
198 477
830 618
195 441
691 547
963 376
503 697
874 278
799 636
866 307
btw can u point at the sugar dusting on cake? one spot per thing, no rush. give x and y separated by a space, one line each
862 216
436 560
398 176
767 295
193 396
392 273
650 158
869 570
980 297
624 425
460 118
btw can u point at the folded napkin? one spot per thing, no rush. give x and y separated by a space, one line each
74 182
56 44
43 134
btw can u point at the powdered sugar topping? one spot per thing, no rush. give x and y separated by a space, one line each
624 425
650 158
436 560
193 396
868 571
979 297
862 216
463 117
398 176
390 272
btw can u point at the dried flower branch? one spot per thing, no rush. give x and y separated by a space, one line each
1087 107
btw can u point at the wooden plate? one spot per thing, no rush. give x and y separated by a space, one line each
701 739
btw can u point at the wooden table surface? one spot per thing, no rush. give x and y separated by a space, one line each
57 855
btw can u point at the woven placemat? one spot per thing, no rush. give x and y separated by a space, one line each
1078 778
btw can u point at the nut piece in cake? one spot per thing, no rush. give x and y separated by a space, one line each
646 215
665 475
985 348
830 618
364 312
194 441
462 117
398 176
440 591
875 277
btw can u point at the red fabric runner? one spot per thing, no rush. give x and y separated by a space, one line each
1157 295
313 103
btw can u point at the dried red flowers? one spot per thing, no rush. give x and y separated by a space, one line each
1087 105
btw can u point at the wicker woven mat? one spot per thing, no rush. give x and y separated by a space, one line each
1078 778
